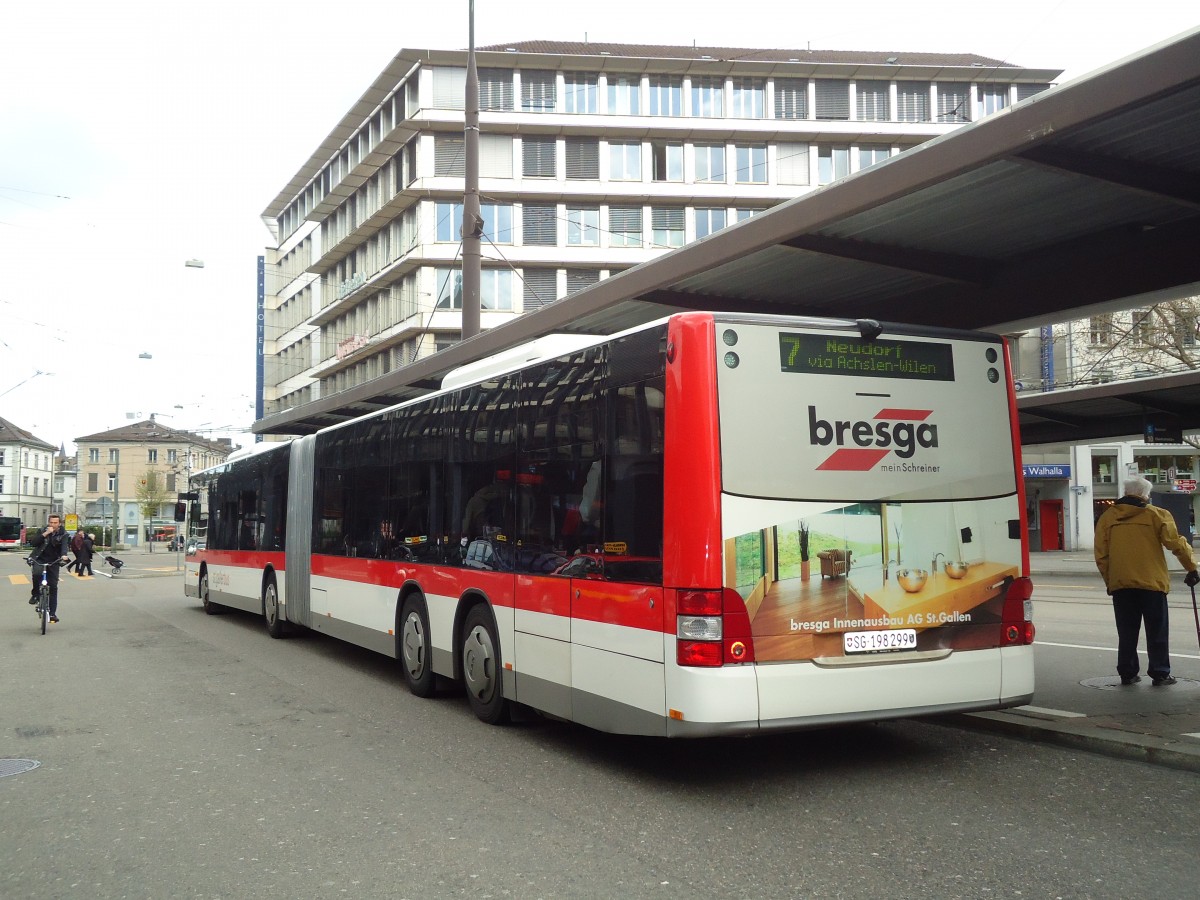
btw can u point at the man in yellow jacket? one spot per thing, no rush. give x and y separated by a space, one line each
1130 538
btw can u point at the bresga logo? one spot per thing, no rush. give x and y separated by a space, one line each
892 431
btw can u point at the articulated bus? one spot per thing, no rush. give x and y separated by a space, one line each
711 524
12 533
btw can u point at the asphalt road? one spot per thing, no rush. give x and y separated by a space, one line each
184 755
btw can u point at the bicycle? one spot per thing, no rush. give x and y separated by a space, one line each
43 604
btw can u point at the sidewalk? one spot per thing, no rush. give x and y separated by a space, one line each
140 562
1079 701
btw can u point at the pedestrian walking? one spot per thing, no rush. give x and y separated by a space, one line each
76 546
1130 538
85 554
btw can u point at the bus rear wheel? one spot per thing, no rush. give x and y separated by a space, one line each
210 608
271 608
415 647
482 667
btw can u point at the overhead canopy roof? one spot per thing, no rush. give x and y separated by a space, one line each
1109 410
1070 203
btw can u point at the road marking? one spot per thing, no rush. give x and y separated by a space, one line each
19 579
1089 647
1041 710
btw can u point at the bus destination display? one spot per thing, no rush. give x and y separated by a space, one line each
840 355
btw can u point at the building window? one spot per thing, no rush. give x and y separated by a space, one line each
449 288
991 98
625 226
540 287
1100 330
749 98
583 226
172 456
668 161
708 97
832 163
708 221
625 161
93 482
93 454
791 98
449 159
872 101
624 95
449 88
581 93
113 456
539 225
912 100
1185 328
495 89
666 226
833 98
112 482
792 164
868 156
152 456
171 482
578 279
741 215
537 91
538 157
583 159
953 102
495 289
666 96
710 162
751 161
1142 325
495 156
497 222
449 221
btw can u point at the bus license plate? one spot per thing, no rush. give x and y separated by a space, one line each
879 641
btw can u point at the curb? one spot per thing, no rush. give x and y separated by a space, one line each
1147 748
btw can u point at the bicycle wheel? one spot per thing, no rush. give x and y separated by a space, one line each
44 609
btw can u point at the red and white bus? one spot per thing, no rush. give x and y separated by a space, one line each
712 524
12 533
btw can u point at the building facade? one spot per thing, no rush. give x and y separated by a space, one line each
1067 487
133 475
26 475
593 158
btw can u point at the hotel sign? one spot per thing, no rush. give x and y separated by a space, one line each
350 344
1047 471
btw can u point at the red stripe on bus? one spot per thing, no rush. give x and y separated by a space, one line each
907 415
244 559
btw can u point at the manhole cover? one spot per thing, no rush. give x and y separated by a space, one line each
1113 683
17 766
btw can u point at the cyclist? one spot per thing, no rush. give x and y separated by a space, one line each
50 546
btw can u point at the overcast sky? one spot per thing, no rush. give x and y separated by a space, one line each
135 136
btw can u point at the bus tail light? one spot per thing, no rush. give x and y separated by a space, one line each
712 629
1017 618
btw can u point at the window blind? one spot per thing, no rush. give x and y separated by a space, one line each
583 159
912 98
953 102
872 97
448 157
833 98
495 89
449 88
541 286
540 225
538 157
791 98
537 91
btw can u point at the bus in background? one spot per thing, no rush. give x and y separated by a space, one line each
12 533
711 524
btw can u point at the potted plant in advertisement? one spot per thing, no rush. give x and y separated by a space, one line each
804 566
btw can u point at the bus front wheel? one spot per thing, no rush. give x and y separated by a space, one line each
482 667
